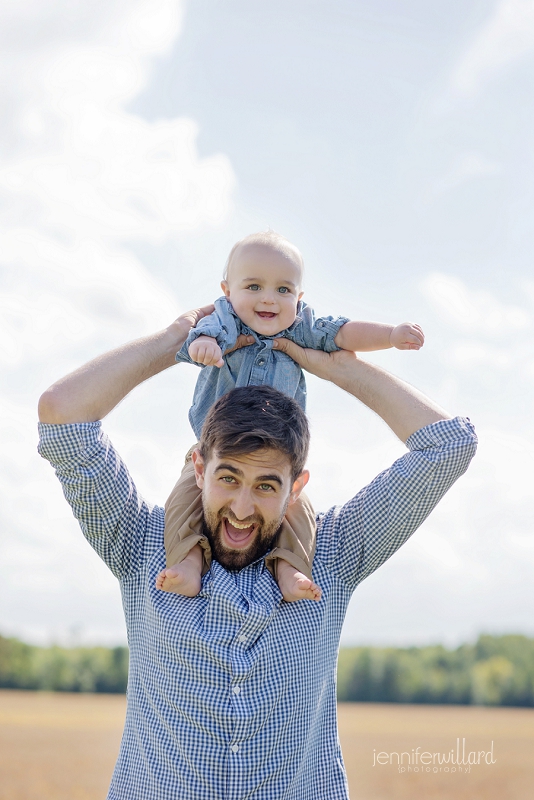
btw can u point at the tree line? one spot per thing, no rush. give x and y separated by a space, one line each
495 670
62 669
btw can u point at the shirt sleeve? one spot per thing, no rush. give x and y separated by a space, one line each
318 334
220 325
357 538
122 528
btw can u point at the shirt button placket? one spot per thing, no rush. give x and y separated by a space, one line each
260 367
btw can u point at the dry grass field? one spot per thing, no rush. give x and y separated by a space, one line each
63 747
385 728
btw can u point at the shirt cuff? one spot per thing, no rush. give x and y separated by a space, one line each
214 330
330 327
63 443
442 432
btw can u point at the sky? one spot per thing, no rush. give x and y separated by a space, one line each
392 143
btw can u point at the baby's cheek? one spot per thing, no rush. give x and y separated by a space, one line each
290 314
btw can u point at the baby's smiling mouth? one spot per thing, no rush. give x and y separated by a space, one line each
266 314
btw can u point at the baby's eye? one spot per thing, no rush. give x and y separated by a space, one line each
283 290
254 287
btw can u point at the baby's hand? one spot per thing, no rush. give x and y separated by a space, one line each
407 336
205 350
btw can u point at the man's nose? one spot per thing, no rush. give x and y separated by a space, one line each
242 505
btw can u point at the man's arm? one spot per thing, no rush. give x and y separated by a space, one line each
401 406
116 521
119 525
92 391
89 393
357 538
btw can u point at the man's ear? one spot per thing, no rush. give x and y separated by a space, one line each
225 288
198 463
298 486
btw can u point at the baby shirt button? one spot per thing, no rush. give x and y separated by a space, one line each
261 362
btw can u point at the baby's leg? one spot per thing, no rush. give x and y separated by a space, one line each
183 578
187 549
293 584
291 559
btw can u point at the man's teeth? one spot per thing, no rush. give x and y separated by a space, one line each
240 527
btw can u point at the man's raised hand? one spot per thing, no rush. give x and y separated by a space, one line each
328 366
401 406
94 389
183 324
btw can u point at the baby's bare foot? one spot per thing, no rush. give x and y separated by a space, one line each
183 578
294 585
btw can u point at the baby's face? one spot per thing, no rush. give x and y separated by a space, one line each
263 286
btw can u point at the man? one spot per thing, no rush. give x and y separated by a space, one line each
231 694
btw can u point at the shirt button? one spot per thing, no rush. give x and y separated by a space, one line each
261 362
320 324
242 638
236 690
234 748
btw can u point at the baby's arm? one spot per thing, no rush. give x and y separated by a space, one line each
214 335
205 350
366 336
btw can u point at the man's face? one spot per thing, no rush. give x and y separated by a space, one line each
245 499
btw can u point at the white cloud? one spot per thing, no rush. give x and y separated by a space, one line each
86 175
81 178
468 354
472 310
507 36
466 167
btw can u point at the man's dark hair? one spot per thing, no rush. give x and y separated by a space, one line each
256 418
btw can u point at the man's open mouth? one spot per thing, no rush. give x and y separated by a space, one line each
237 534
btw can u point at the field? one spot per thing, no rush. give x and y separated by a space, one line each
63 747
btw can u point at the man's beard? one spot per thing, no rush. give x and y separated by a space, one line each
230 559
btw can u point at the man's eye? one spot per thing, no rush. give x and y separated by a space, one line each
228 479
266 487
254 287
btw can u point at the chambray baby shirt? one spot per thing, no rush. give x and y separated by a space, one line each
232 694
257 364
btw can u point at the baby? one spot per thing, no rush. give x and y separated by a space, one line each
262 298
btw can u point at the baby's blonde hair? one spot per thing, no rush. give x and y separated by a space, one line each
269 238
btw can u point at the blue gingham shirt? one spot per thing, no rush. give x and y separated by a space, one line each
232 694
257 364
